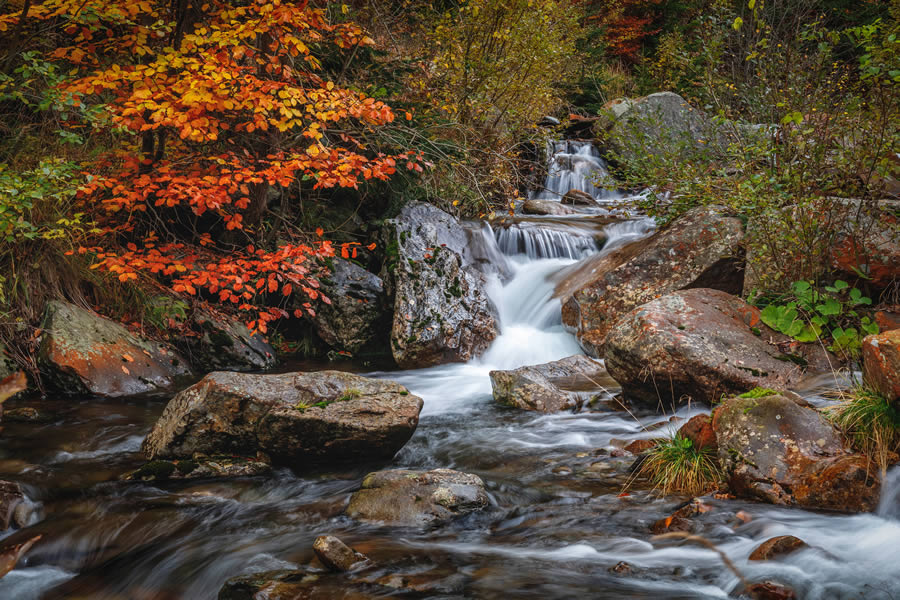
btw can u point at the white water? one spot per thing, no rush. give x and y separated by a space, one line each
576 166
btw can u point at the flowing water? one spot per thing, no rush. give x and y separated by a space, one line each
557 523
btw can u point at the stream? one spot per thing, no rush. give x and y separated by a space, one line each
562 513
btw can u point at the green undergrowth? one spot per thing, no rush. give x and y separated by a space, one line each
676 466
759 392
870 423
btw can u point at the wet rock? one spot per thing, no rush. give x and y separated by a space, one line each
774 450
662 123
357 311
700 344
621 568
200 467
547 207
297 584
777 546
640 446
441 310
11 554
26 414
404 497
301 420
336 555
888 317
881 364
222 344
578 198
84 353
700 431
702 249
769 590
11 496
680 520
559 385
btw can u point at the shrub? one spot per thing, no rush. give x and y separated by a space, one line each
674 465
870 422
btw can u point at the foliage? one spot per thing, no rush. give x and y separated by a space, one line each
674 465
214 107
759 392
870 422
808 314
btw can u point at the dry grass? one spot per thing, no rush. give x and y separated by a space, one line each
871 424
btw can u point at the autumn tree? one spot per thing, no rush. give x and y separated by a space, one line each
217 105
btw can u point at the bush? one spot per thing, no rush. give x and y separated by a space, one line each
871 424
675 466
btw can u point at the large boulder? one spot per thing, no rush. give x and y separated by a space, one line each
357 309
220 343
661 123
700 249
881 364
559 385
298 419
777 451
700 344
869 242
441 310
403 497
84 353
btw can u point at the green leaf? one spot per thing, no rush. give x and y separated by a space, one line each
737 24
829 308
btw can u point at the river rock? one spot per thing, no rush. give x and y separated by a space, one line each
404 497
881 364
578 198
660 124
777 451
223 344
357 310
441 311
869 242
777 546
700 431
300 420
199 467
700 344
336 555
547 207
11 496
559 385
700 249
84 353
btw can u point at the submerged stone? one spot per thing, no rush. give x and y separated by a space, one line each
551 387
336 555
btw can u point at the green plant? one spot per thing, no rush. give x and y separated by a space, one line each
675 465
166 311
808 314
759 392
870 422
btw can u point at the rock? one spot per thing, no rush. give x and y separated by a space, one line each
869 243
777 546
769 590
357 311
888 317
548 121
336 555
700 249
26 414
404 497
547 207
578 197
298 419
621 568
699 430
680 520
881 364
659 124
10 555
84 353
223 344
700 344
559 385
777 451
640 446
200 467
11 496
441 311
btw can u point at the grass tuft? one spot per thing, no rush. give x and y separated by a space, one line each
675 466
870 423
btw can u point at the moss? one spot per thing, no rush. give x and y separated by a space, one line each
155 469
759 392
456 288
186 466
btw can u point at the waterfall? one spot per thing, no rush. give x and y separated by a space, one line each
575 166
889 506
541 242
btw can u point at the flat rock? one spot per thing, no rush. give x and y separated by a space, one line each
559 385
441 310
84 353
302 420
777 451
701 344
420 498
702 249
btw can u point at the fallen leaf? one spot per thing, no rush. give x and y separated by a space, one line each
127 358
